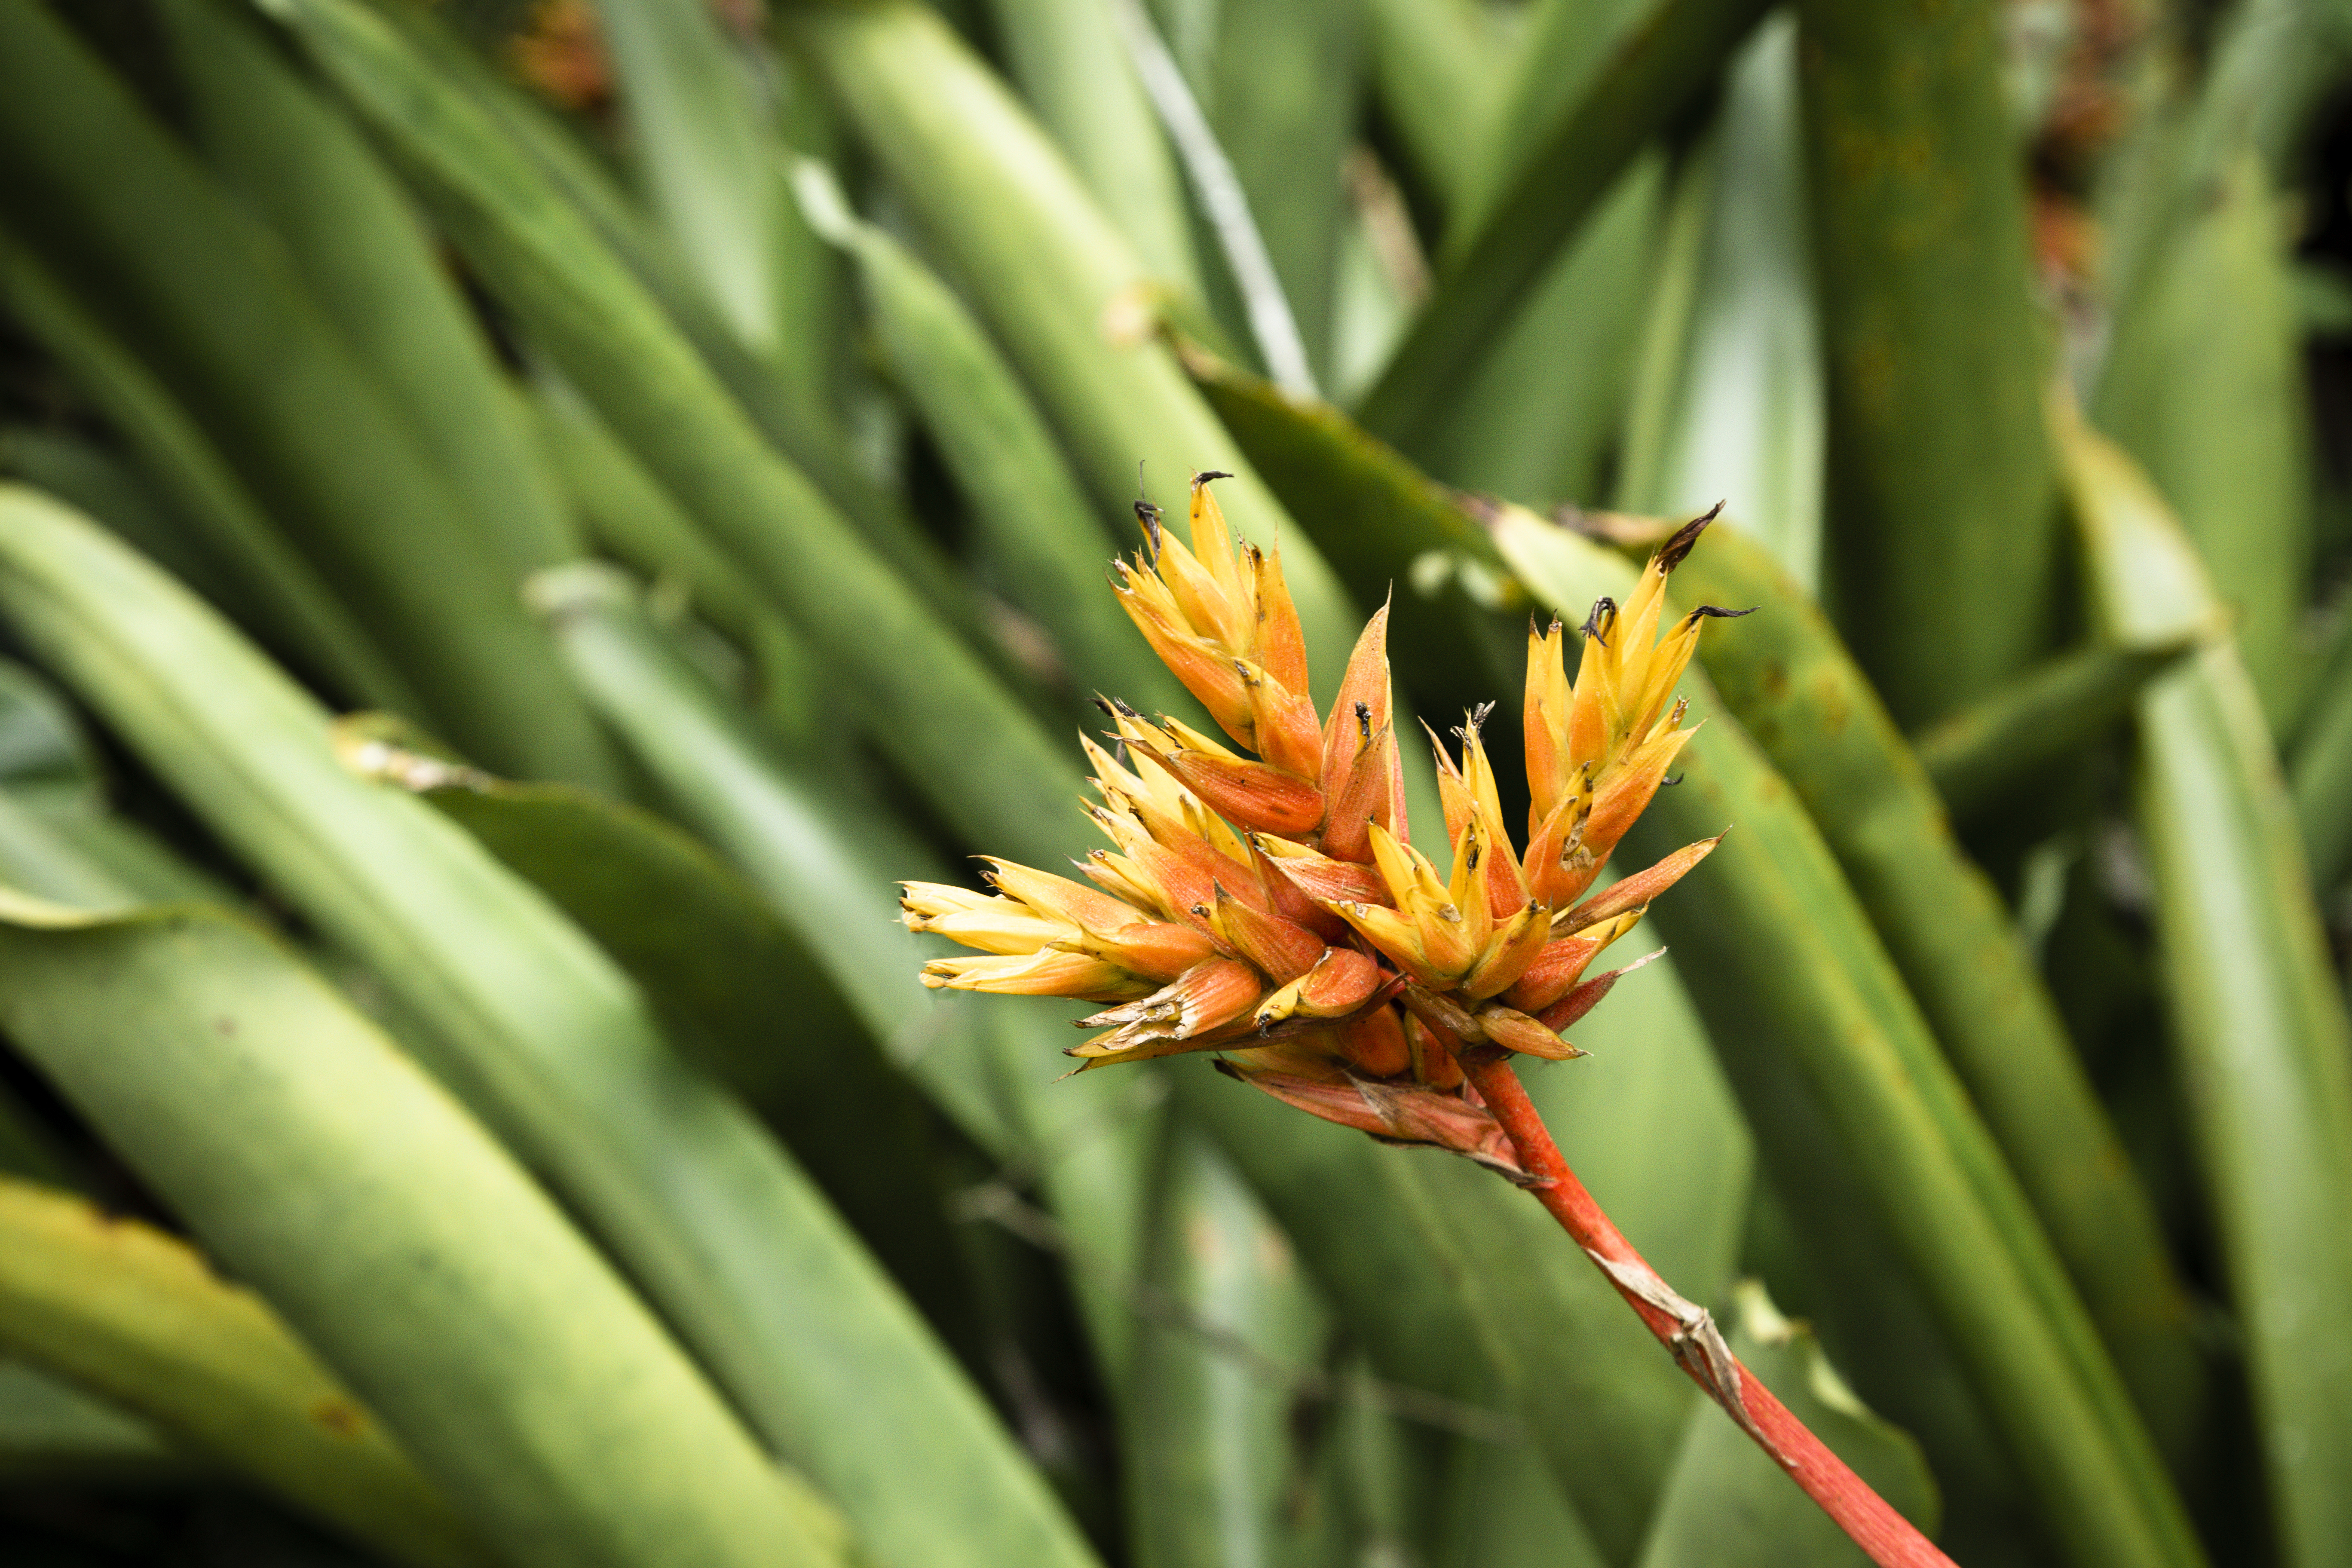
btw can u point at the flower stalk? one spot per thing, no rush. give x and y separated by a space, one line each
1688 1332
1273 908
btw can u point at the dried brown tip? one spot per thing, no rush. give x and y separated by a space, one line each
1206 475
1671 553
1149 516
1718 613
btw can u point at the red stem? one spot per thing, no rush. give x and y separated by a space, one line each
1862 1513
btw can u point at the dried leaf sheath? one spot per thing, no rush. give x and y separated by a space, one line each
1274 908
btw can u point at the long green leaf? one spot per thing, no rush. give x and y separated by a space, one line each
1553 63
354 237
733 987
1062 290
1740 415
790 407
1943 527
2204 384
51 1431
1788 681
1066 58
1437 72
1834 1016
1519 427
1499 1510
1486 273
946 714
538 1027
87 178
816 854
1456 1288
1039 532
2262 1044
1278 80
284 597
398 1239
140 1318
2003 742
1209 1423
1786 964
703 154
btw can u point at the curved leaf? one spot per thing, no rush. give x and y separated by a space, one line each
1934 355
1786 677
322 1165
88 177
1485 275
1063 290
947 713
540 1029
138 1316
353 235
2262 1044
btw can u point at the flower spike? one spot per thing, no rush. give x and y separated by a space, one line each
1267 904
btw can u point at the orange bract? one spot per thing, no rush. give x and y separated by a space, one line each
1274 909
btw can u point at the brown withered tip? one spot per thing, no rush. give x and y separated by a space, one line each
1204 477
1671 553
1604 610
1149 516
1718 613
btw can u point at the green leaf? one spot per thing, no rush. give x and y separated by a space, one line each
1209 1422
1278 80
1943 525
1728 1505
735 989
1066 58
1038 532
550 1040
397 1238
140 1318
702 152
2005 739
1561 47
1843 1082
87 179
827 864
353 235
1786 677
2204 384
1485 275
2260 1042
948 716
1519 427
784 401
1062 290
1436 67
1461 1287
1503 1509
51 1431
1730 402
225 527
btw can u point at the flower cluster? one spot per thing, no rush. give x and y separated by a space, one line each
1273 908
